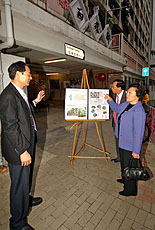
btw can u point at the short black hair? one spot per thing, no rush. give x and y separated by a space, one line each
147 90
120 83
16 66
140 90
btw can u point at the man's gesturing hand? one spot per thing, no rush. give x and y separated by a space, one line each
25 159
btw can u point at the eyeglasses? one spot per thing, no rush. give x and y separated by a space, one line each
130 92
29 74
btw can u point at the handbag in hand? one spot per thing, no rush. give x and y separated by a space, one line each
135 173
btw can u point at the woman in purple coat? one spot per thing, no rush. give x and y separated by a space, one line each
129 130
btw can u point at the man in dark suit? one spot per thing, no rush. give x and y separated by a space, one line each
18 139
118 89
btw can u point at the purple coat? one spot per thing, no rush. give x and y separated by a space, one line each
132 125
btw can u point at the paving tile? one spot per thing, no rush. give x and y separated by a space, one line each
71 209
89 226
83 196
120 217
76 215
97 217
85 218
132 213
114 225
126 224
102 226
116 204
137 226
150 221
58 222
141 216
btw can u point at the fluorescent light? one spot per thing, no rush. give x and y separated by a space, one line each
52 73
56 60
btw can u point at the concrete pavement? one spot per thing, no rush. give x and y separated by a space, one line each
84 196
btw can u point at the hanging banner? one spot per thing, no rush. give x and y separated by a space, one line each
95 26
79 14
107 37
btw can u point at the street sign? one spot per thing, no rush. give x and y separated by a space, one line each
145 72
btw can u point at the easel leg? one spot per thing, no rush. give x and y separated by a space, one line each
73 150
100 140
84 137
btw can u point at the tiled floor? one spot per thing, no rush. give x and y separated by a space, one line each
83 196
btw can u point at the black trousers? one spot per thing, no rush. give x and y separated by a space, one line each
116 141
130 186
21 181
19 195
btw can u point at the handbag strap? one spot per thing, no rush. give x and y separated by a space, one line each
140 162
131 160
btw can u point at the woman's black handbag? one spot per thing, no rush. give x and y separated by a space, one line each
139 173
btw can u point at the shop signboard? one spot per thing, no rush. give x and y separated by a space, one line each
74 51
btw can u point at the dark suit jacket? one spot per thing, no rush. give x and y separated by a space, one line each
18 134
123 99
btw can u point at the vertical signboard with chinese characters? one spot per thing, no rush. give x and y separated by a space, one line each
98 106
79 14
95 26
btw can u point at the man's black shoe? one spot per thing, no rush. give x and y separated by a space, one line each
120 181
34 201
26 227
115 160
122 193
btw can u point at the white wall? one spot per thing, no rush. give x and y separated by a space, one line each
6 60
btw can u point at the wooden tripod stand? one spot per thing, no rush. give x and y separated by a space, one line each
84 84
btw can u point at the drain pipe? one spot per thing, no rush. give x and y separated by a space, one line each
10 38
9 27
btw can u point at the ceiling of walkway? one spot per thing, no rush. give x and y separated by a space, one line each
36 61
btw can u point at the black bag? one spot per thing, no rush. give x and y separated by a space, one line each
139 173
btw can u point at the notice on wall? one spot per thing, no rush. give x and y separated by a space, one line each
98 106
76 104
83 104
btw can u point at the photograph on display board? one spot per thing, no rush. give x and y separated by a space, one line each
76 104
98 106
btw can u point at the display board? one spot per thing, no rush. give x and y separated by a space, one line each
98 106
86 104
76 104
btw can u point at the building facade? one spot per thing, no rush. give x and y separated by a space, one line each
39 30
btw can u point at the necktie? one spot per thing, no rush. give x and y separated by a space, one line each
115 114
27 102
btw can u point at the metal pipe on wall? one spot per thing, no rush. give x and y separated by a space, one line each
10 38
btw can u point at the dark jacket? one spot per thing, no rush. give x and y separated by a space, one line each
123 99
17 134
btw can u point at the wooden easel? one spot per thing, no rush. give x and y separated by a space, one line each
85 83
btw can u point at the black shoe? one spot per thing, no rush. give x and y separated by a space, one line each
115 159
122 193
26 227
34 201
120 181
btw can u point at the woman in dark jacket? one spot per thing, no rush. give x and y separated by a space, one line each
129 130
